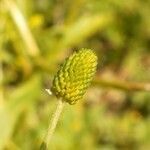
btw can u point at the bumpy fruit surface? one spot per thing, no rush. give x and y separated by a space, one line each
75 75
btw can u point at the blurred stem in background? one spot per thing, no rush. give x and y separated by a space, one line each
122 85
23 28
52 124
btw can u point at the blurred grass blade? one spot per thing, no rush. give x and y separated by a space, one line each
20 98
85 27
23 28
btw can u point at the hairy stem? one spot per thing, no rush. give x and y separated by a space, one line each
52 124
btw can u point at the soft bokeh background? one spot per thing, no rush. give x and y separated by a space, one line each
37 35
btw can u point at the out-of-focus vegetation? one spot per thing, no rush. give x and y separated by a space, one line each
36 36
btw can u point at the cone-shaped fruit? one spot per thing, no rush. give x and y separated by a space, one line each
75 75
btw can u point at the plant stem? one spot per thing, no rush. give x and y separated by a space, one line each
19 20
52 124
122 85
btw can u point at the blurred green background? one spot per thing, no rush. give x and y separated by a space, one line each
37 35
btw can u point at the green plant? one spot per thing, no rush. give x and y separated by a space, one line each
70 83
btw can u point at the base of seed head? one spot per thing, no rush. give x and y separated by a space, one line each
75 75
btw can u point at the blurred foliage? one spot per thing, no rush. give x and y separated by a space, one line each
36 36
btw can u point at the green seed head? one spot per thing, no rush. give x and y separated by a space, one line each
75 75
